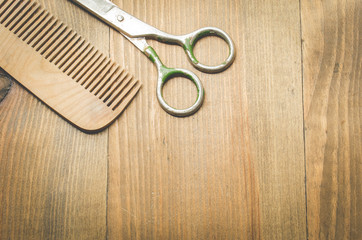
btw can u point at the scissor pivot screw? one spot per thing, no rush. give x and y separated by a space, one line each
120 18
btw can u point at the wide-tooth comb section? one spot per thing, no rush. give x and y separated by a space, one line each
108 73
97 66
68 64
8 9
54 46
130 93
99 76
35 15
42 42
61 50
105 79
116 88
21 16
119 74
89 61
39 29
68 51
16 13
122 93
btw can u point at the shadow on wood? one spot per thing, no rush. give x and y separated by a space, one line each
5 84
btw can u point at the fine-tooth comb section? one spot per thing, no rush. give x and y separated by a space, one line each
68 51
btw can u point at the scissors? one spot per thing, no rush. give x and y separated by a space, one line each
137 32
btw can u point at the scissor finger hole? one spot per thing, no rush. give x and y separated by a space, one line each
167 74
211 50
179 92
193 38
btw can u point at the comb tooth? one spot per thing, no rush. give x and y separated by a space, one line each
93 78
50 38
84 62
2 4
20 17
64 46
41 31
69 49
12 10
123 93
9 11
93 70
16 12
109 74
34 14
56 42
93 60
71 56
44 22
125 100
42 34
121 90
26 24
120 81
75 62
117 88
5 7
107 86
97 80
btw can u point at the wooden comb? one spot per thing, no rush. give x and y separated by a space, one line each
62 68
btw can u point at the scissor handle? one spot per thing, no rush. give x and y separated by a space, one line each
134 28
165 74
191 39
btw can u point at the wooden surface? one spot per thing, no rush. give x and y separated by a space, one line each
332 112
5 84
274 153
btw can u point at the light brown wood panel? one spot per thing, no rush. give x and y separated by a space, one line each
235 169
52 176
332 106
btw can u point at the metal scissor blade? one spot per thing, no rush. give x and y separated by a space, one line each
140 43
95 6
117 18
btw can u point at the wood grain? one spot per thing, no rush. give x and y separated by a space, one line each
52 177
5 84
240 168
234 170
332 106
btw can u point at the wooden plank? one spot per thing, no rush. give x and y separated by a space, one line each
235 169
5 84
332 106
52 176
